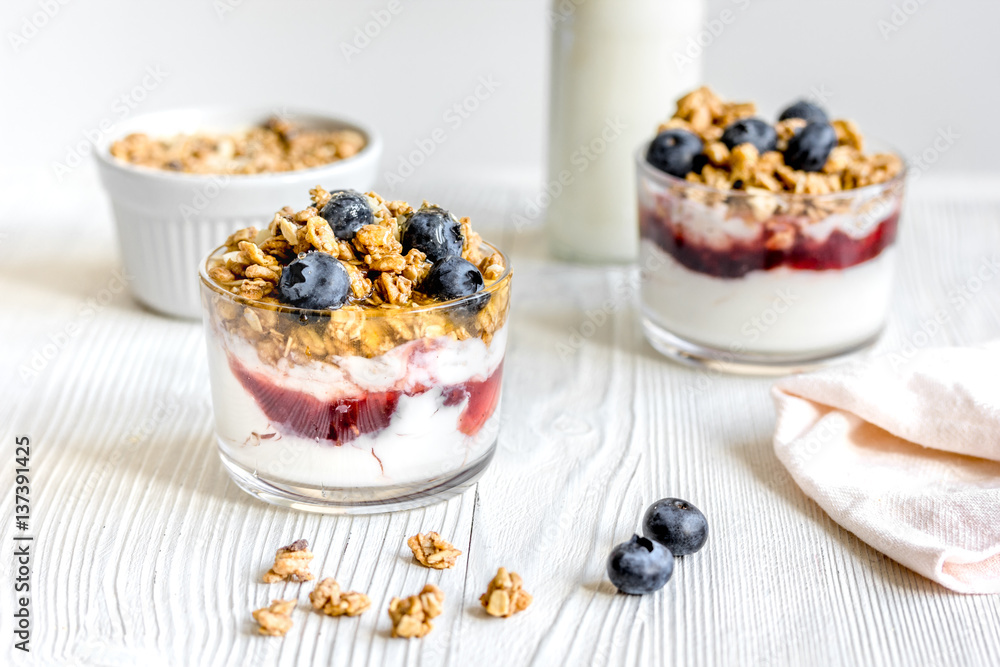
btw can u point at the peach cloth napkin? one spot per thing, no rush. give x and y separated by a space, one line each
905 453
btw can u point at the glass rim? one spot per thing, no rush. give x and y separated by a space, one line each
207 282
664 178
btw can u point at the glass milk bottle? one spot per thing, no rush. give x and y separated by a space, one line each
618 66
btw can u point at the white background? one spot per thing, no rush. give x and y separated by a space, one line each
937 71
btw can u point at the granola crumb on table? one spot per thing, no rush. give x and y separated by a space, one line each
328 598
275 146
505 596
276 619
431 550
411 616
291 563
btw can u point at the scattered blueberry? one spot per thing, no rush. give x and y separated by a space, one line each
434 232
676 524
807 111
810 147
640 566
675 152
750 131
454 278
315 280
347 212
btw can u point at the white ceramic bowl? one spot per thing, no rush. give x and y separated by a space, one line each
168 222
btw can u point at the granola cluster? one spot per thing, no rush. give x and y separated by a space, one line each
275 620
385 286
291 563
433 551
705 114
505 596
411 616
275 146
328 598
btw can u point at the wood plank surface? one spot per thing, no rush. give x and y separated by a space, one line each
147 554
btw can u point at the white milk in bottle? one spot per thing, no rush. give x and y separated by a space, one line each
618 66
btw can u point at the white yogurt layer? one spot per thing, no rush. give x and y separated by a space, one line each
447 362
780 311
715 226
421 442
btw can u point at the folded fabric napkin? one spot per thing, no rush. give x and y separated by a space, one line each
905 453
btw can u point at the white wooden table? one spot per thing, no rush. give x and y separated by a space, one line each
147 554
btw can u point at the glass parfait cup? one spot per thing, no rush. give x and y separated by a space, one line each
356 410
764 282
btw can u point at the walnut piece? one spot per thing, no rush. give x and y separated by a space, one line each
431 550
411 617
504 596
328 598
291 563
276 619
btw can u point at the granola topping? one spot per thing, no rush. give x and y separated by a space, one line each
329 599
275 146
275 620
431 550
705 114
291 563
411 616
505 596
384 285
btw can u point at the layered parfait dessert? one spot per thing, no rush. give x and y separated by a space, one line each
356 352
764 245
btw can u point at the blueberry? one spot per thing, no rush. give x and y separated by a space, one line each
750 131
315 280
810 147
640 566
454 278
347 212
807 111
675 152
676 524
434 232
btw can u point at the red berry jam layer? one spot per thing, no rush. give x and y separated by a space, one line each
839 250
342 420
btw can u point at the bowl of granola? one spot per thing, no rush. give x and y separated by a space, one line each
356 353
766 247
181 181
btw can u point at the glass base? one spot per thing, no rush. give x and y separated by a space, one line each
690 353
356 500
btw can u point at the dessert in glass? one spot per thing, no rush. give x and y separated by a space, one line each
765 248
356 352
